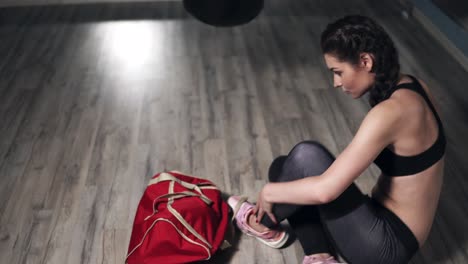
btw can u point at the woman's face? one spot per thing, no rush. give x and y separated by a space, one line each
352 79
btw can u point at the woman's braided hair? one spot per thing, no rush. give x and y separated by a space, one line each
348 37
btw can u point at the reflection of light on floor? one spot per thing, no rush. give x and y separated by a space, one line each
130 45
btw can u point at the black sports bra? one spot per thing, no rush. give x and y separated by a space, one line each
394 165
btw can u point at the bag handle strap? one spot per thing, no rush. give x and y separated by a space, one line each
169 177
182 219
179 195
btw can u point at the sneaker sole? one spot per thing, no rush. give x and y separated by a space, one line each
274 244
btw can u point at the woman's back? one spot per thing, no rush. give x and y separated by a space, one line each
414 197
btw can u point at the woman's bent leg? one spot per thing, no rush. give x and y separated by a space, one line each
307 158
359 227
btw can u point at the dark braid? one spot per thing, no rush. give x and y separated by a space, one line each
350 36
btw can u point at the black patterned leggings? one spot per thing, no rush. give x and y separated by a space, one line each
355 225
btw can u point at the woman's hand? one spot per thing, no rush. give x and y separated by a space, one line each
263 206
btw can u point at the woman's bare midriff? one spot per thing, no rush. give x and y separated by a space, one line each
412 198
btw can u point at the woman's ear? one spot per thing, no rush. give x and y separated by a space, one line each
367 61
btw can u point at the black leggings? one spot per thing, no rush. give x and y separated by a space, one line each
355 225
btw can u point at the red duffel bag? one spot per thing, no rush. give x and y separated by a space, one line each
180 219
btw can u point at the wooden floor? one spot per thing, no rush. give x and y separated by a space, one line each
95 99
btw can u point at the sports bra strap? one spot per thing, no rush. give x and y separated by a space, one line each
417 87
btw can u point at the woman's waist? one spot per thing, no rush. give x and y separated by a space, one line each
416 217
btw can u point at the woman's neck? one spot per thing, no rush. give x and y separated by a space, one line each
403 78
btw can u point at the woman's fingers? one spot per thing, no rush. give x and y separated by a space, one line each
260 214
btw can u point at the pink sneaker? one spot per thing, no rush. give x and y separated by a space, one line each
318 260
242 209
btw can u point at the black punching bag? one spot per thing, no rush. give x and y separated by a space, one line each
224 13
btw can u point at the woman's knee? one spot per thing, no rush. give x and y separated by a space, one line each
310 157
310 150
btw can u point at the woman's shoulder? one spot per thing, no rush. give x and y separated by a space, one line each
405 107
386 115
395 112
392 107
